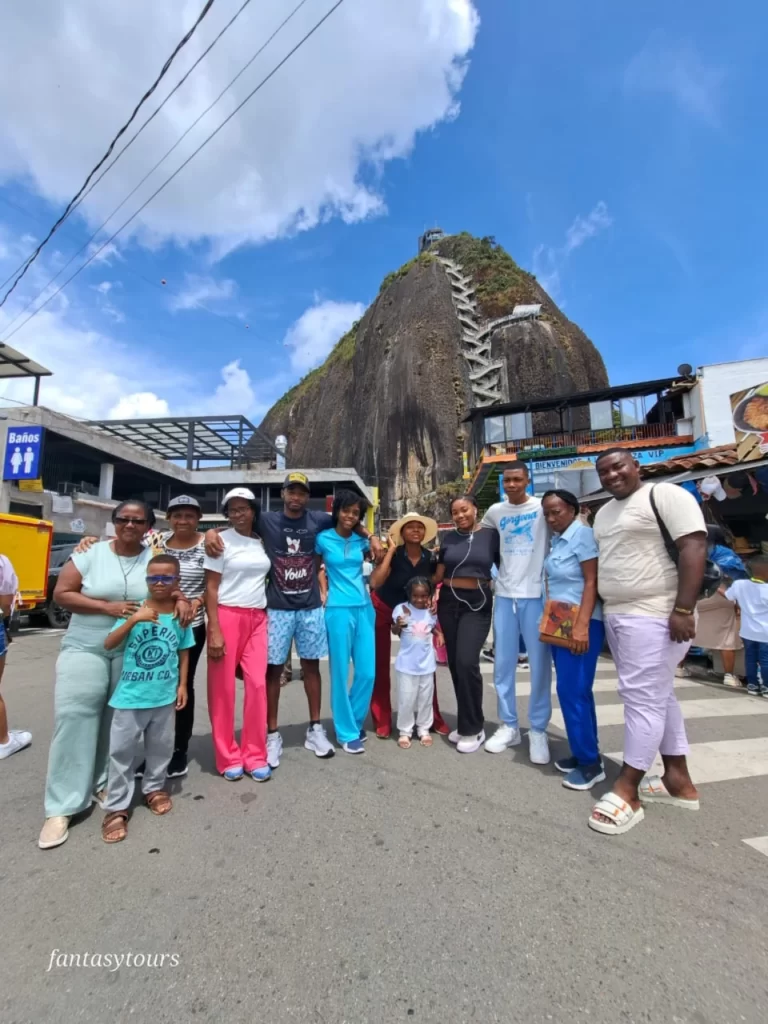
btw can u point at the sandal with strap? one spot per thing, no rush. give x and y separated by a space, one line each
404 742
159 802
653 791
623 818
426 740
114 828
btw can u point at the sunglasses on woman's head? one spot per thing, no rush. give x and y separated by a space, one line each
161 579
129 521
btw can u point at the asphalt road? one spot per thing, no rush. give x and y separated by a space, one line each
402 885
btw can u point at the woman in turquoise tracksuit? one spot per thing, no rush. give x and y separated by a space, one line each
349 620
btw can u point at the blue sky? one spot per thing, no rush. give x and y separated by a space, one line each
616 150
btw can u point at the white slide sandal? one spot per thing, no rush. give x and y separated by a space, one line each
623 818
653 791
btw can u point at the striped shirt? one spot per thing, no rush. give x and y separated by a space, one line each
192 581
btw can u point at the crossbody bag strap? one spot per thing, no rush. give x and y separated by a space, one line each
669 544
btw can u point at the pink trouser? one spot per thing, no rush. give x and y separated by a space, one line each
245 644
646 657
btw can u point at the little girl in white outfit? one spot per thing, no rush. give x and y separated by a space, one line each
415 664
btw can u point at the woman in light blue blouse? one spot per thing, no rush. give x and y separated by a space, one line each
570 573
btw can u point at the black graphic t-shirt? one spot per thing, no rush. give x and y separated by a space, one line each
290 544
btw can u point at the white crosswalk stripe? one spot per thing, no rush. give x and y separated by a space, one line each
760 844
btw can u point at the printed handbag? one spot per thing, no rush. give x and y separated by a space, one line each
556 626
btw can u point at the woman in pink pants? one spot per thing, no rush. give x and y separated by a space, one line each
235 600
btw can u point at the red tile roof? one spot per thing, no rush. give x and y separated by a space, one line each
725 455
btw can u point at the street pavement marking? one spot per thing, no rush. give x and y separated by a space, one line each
716 707
721 761
760 844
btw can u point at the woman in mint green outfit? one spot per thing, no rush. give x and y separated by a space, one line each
98 586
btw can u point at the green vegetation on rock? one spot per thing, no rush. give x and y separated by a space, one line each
342 352
500 284
423 259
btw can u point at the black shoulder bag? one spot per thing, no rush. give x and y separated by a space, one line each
713 578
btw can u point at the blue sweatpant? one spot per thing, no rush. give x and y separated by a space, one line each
513 617
351 635
575 679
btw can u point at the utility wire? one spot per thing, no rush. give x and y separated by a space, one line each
162 160
163 71
135 136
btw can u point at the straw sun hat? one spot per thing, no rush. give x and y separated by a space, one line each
430 527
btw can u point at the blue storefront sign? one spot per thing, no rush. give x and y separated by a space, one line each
23 453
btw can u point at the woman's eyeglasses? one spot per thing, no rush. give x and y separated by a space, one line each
129 521
161 579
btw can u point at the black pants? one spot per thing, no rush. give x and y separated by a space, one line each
185 719
465 624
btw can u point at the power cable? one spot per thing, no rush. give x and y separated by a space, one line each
181 167
135 136
163 71
162 160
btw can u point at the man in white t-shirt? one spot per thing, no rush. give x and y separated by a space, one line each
649 602
517 611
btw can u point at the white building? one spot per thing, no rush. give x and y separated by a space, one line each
710 400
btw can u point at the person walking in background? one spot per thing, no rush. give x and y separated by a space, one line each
464 611
415 665
648 604
519 606
235 601
11 740
751 597
151 690
570 575
349 620
406 558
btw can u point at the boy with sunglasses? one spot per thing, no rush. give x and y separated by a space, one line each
151 688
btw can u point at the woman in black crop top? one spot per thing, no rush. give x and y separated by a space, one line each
465 609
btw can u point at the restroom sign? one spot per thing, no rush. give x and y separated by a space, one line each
23 453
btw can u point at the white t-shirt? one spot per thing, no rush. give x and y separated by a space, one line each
416 656
523 542
635 575
244 567
752 599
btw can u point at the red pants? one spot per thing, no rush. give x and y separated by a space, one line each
245 644
381 703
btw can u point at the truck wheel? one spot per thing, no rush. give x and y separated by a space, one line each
57 616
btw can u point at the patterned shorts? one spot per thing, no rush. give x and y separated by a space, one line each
307 627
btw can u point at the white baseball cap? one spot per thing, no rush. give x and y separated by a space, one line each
238 492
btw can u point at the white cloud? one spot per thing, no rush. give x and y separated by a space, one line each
317 330
140 404
103 287
549 261
310 146
199 290
679 72
108 254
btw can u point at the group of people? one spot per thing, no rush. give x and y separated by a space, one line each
144 606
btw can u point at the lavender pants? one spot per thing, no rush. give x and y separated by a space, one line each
646 657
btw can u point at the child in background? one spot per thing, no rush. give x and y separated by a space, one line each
151 688
751 596
415 664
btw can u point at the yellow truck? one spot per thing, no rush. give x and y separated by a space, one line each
27 543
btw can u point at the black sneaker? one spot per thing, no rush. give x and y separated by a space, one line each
177 766
139 773
487 654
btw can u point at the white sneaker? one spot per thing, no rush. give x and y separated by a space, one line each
274 749
317 740
17 740
729 679
469 744
538 746
54 832
454 737
505 736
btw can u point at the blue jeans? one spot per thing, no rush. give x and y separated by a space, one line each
515 617
575 679
756 653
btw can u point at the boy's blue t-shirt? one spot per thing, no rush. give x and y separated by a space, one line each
150 675
343 560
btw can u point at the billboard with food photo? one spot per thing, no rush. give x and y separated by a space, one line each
750 422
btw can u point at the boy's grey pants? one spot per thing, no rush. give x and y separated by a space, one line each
157 726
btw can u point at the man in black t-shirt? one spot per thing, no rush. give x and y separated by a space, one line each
295 598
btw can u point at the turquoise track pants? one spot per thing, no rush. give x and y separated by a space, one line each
351 636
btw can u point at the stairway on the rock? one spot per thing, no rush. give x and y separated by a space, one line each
486 375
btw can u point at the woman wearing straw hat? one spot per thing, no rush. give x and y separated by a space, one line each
406 558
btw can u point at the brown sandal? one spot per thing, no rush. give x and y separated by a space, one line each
159 802
114 828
